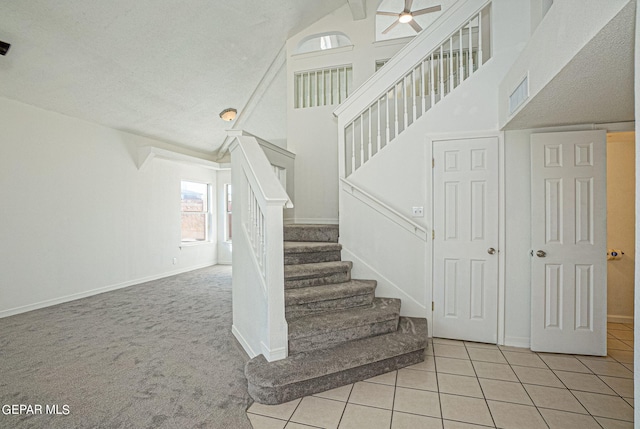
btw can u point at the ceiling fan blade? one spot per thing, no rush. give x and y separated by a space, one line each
415 26
427 10
387 14
407 5
391 27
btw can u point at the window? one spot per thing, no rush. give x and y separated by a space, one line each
227 211
195 211
323 42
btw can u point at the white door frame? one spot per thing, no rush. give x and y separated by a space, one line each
430 139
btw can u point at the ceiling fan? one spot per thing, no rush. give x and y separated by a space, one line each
406 16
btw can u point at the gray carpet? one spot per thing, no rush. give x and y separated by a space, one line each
156 355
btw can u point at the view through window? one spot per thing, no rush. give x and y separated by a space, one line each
195 211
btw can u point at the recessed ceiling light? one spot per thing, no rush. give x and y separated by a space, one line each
228 114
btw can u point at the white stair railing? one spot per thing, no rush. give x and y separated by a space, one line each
258 256
404 89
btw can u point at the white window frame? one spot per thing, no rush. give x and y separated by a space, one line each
207 211
228 214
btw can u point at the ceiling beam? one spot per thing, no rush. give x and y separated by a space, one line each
358 9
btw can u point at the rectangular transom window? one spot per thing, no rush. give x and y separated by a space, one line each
195 211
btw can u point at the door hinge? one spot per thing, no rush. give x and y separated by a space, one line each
433 234
433 306
433 162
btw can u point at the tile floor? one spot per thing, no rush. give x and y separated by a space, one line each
463 385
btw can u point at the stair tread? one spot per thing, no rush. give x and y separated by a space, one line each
310 246
311 232
305 295
410 337
301 271
382 309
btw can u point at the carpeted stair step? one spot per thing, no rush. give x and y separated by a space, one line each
319 370
310 300
301 232
308 252
322 273
329 329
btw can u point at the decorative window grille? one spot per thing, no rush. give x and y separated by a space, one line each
324 87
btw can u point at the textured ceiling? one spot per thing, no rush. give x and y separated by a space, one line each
596 86
159 68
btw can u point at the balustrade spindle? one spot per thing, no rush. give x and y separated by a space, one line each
353 147
386 111
432 81
441 74
378 126
461 59
362 139
369 147
471 70
479 39
395 110
413 93
451 64
405 94
423 88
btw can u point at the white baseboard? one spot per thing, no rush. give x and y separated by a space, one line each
243 342
275 354
308 220
524 342
616 318
85 294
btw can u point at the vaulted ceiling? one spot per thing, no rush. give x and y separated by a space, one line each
159 68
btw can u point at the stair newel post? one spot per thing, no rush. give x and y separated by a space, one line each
277 329
259 321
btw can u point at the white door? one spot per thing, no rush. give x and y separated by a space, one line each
465 245
568 237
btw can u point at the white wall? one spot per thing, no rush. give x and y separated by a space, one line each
78 217
621 225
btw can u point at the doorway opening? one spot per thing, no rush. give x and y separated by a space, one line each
620 240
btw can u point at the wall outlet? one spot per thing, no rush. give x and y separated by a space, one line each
175 261
417 211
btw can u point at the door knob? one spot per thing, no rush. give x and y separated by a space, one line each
491 251
541 253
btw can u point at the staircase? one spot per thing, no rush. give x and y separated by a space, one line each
339 332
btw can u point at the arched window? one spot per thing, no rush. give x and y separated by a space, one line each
322 42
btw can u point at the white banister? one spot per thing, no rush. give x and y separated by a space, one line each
440 73
258 256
